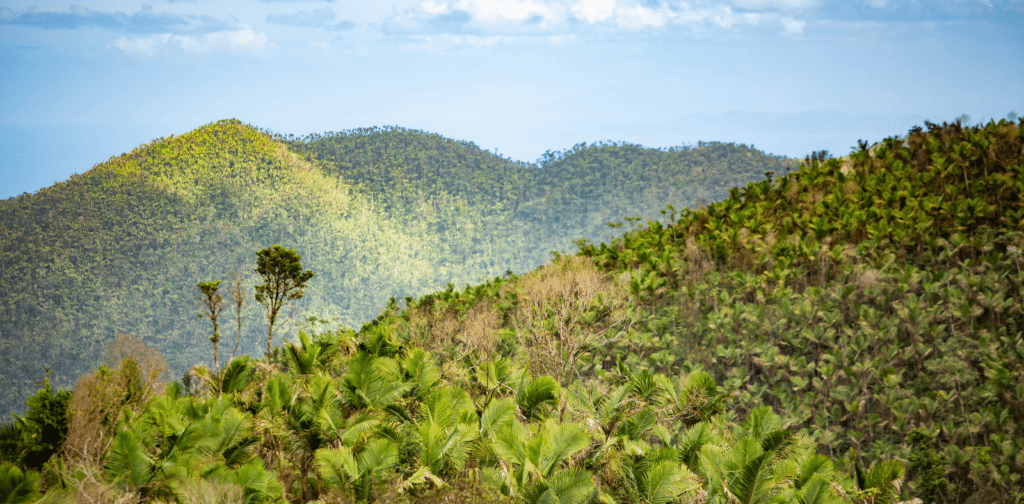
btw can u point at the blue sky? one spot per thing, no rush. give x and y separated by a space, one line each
83 82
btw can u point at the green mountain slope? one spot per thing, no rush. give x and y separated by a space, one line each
375 213
496 214
851 332
120 248
875 300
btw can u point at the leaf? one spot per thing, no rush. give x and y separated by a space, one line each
570 486
664 482
498 413
127 461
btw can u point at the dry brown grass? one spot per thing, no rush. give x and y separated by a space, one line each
445 333
150 367
135 374
565 310
94 407
865 278
479 331
698 261
211 492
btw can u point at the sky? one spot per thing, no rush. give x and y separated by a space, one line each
80 83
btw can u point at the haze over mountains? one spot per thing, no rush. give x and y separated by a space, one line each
376 213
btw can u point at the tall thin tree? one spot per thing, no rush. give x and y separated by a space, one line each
238 301
211 303
284 280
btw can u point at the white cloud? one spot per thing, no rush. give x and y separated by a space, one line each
793 26
446 41
594 11
144 47
481 18
775 5
247 40
431 7
727 18
244 40
639 17
498 11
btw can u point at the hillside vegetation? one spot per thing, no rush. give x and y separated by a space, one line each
377 213
849 332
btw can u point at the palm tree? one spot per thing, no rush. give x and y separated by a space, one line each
746 471
447 431
358 472
656 477
531 465
16 486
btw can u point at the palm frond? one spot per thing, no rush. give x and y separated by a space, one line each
570 486
128 462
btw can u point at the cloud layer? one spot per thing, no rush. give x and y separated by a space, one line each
143 21
443 24
244 40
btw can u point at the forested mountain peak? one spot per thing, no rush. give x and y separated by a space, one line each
376 212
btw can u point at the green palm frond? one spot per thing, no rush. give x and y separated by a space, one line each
689 447
128 461
498 413
761 422
538 395
886 477
358 427
10 441
237 375
510 442
777 441
337 466
561 442
445 449
448 406
378 456
421 371
664 482
569 486
815 465
278 393
815 490
259 486
17 487
374 382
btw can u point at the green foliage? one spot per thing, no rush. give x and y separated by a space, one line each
537 397
795 342
863 297
341 468
16 486
656 477
238 375
928 465
284 281
42 431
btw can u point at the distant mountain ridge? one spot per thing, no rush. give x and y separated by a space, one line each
376 213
